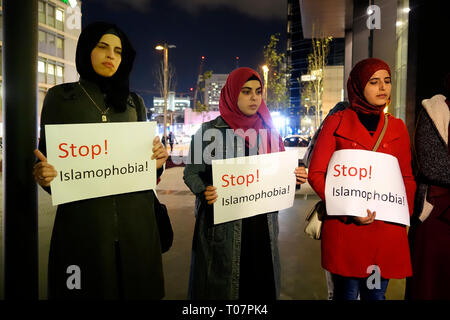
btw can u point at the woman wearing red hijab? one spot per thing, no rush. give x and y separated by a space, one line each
237 259
353 245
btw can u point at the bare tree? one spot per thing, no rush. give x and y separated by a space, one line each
317 60
159 78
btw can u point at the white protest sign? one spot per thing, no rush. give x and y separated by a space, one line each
100 159
248 186
358 180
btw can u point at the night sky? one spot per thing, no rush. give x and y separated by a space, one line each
220 30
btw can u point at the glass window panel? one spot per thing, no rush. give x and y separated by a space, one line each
42 41
41 66
59 15
50 69
59 43
50 15
50 73
51 44
50 79
59 71
60 47
41 10
51 39
41 73
41 36
59 19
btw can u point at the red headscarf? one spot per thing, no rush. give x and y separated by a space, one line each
359 76
233 116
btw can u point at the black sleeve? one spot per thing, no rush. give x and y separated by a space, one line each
141 110
431 152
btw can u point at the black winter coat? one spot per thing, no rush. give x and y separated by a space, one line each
113 240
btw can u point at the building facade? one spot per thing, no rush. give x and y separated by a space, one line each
59 23
213 86
299 46
410 35
176 108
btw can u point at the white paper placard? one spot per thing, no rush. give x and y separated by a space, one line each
358 180
248 186
100 159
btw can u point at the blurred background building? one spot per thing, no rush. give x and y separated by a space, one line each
407 34
59 29
213 86
299 46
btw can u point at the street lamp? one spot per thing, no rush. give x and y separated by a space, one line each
266 75
165 47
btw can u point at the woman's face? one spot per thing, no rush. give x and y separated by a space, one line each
107 55
250 97
378 89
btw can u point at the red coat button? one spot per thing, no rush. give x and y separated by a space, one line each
385 145
354 144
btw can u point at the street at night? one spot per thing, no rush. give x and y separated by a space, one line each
273 154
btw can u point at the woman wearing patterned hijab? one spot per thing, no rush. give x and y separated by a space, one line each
112 241
353 245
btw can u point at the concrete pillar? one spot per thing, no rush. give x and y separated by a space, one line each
20 27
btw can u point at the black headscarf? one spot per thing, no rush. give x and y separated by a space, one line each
117 87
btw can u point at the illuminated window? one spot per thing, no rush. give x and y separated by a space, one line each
50 69
59 71
59 74
59 19
41 66
59 15
50 73
41 71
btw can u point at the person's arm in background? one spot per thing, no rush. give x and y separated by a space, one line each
432 157
195 165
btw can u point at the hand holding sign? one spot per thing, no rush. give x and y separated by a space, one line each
159 153
210 194
367 220
43 172
301 175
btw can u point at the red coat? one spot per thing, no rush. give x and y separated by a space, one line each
349 249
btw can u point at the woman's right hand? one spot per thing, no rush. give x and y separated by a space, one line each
43 172
367 220
210 194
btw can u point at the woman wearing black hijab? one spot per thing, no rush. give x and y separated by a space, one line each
113 240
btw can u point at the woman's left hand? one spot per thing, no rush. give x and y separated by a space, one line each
301 175
159 153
